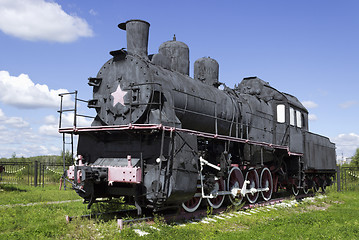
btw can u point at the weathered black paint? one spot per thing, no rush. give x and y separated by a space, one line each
132 88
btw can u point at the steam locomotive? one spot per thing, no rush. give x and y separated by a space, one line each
162 139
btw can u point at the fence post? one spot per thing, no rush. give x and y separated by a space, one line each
338 179
35 173
345 179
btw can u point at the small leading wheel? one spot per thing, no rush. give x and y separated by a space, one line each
235 180
252 177
194 203
266 181
219 186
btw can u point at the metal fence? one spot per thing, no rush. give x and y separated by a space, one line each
30 173
348 178
50 173
17 172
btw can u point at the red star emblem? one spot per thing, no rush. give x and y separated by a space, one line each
118 96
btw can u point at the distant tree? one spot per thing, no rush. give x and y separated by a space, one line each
355 159
13 158
68 157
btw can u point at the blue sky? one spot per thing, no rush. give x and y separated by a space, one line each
309 49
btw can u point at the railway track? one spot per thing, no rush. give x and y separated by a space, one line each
130 217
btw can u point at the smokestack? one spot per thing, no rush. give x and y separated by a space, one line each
137 36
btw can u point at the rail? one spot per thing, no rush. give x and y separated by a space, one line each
241 130
74 109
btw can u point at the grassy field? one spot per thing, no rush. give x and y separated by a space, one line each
335 216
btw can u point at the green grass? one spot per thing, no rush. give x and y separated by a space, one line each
43 221
333 217
22 194
337 217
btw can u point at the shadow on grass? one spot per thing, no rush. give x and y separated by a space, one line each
108 210
10 188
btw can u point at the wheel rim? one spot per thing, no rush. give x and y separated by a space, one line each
235 180
266 182
295 189
305 187
324 185
315 185
194 203
252 176
217 202
306 190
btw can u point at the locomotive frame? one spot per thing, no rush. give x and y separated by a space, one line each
162 139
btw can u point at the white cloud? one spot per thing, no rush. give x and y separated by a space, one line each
348 104
32 139
12 131
346 144
26 141
309 104
51 126
68 120
38 150
2 115
51 119
21 92
36 20
49 130
93 12
312 117
16 122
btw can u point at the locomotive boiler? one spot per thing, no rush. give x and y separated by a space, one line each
162 139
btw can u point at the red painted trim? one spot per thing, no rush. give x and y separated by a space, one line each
173 129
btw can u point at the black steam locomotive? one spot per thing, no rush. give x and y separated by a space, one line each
162 139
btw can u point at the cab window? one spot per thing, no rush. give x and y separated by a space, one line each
299 119
281 113
292 116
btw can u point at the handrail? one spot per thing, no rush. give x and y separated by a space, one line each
74 109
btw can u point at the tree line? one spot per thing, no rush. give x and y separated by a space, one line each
56 159
355 159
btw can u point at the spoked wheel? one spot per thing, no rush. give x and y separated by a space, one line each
324 185
295 189
252 177
235 180
315 185
217 202
306 186
194 203
266 182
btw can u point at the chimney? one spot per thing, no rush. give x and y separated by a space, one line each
137 36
